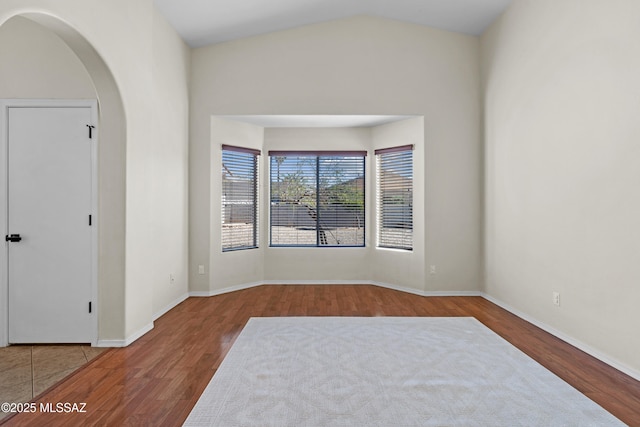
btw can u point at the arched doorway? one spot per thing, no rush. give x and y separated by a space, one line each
110 219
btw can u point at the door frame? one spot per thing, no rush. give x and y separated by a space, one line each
5 105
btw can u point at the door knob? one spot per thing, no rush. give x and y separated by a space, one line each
12 238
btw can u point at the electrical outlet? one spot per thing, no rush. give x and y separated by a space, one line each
432 269
556 298
201 269
172 279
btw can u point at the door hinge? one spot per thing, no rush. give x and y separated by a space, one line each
90 220
89 306
91 127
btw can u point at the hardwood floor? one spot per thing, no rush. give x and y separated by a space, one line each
158 379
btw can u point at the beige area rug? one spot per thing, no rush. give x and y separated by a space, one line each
385 371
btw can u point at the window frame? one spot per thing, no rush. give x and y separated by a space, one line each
382 214
316 155
255 208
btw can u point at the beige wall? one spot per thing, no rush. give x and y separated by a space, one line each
361 65
235 267
35 63
129 53
561 93
402 268
169 166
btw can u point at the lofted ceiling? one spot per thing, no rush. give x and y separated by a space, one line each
203 22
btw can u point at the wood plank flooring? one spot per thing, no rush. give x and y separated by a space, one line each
157 380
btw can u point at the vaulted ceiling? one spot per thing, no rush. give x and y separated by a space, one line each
203 22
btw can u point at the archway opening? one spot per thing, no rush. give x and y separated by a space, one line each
111 161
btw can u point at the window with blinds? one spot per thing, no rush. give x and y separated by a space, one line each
317 198
239 198
395 197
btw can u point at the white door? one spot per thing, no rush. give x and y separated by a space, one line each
49 201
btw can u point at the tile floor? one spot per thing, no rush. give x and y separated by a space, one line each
26 371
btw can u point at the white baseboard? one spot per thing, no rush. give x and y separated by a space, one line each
316 282
224 290
127 341
398 288
130 339
566 338
452 294
169 306
110 343
326 282
334 282
428 293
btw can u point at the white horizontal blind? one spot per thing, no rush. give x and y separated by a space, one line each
239 198
317 198
395 197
